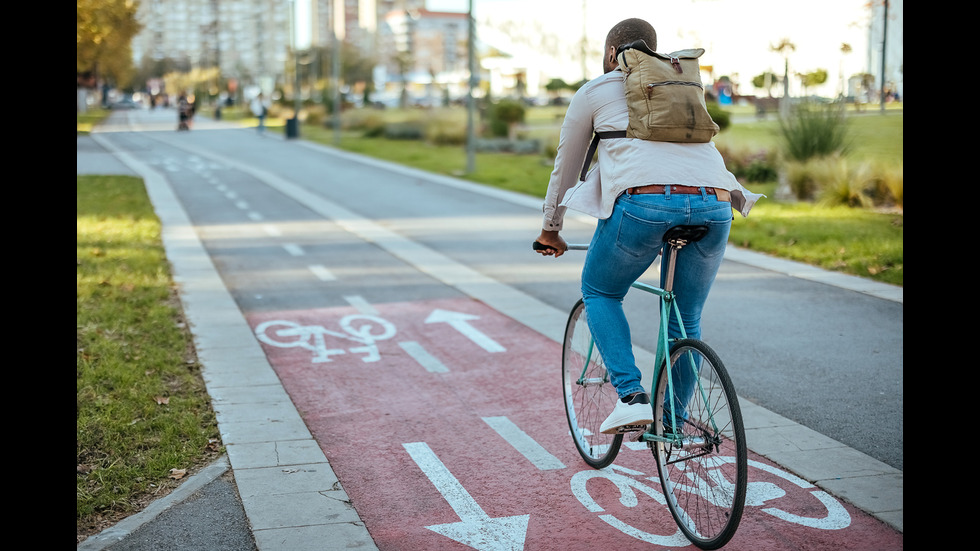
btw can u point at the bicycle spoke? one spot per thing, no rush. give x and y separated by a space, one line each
589 396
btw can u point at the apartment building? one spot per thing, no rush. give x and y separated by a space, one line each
251 40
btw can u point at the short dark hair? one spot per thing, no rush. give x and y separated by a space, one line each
630 30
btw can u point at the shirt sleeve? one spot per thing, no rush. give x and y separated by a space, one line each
573 143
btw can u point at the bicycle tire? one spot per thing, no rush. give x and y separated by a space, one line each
589 398
704 479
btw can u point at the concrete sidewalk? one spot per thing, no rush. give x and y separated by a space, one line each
276 490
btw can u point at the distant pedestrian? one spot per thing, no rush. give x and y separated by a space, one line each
185 112
260 110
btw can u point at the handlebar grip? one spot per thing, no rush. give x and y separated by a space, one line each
571 246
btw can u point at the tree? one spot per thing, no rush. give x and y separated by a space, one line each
765 81
783 47
556 86
103 40
813 78
845 49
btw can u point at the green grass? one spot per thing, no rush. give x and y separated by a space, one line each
841 239
85 121
143 414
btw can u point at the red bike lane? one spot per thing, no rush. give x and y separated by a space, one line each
444 422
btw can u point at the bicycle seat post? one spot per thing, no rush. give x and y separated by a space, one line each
674 246
677 237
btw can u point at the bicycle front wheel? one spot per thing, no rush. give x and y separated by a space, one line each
704 467
589 396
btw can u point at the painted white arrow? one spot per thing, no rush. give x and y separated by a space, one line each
475 529
459 322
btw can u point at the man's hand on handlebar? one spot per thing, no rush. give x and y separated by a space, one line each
550 243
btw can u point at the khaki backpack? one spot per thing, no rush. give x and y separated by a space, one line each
664 96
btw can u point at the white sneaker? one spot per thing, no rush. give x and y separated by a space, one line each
628 417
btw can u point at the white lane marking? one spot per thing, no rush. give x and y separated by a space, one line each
321 271
476 529
529 447
361 305
293 249
423 358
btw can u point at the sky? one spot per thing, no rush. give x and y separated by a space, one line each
736 34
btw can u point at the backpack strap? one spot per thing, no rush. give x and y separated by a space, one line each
595 144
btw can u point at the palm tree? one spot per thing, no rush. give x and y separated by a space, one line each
782 47
845 49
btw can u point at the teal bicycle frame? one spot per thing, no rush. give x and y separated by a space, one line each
688 432
668 305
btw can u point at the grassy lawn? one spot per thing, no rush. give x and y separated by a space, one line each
143 415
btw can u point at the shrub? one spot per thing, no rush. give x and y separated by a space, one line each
442 128
844 183
836 181
441 134
504 116
814 130
315 114
803 178
888 185
757 166
894 182
550 149
721 117
409 130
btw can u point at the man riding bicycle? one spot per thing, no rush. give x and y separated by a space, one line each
646 187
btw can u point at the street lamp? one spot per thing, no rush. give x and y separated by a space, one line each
470 102
292 125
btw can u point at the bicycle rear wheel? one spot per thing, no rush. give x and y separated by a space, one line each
589 396
704 470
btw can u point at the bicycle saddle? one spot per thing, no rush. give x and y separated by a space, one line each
682 235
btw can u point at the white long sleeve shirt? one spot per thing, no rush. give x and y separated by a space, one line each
600 106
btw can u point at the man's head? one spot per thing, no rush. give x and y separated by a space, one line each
627 32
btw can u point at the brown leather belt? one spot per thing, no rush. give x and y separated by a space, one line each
722 194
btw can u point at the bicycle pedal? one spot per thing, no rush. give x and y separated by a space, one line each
631 428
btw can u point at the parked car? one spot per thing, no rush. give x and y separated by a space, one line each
126 102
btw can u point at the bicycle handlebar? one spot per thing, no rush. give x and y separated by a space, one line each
572 247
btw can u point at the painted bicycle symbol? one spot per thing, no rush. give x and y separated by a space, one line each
760 494
360 328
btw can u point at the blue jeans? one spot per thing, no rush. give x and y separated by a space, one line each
624 246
